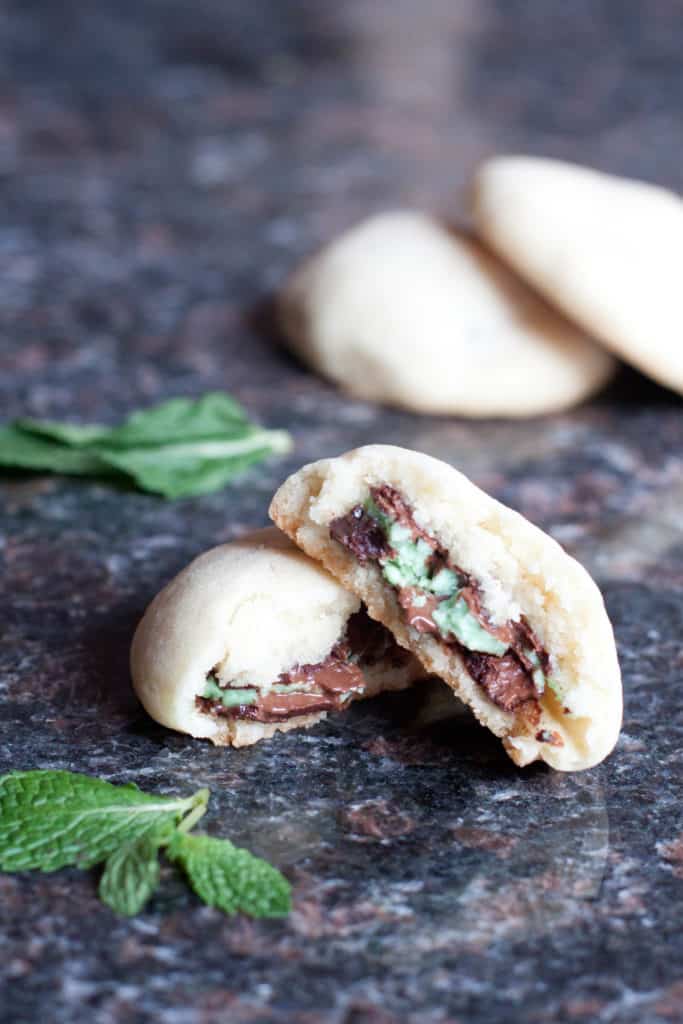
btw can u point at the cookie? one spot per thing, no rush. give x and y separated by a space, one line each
603 249
253 638
405 311
487 601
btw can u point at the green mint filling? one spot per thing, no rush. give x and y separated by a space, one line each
231 698
376 513
408 567
454 616
556 687
234 698
537 674
538 677
228 698
212 690
445 583
541 680
399 535
292 687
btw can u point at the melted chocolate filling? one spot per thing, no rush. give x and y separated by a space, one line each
507 680
329 684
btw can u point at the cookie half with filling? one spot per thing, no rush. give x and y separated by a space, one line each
486 600
253 638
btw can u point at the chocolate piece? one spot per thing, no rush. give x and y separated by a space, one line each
505 679
550 736
333 675
359 532
419 609
390 501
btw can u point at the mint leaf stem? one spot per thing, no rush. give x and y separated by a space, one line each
198 808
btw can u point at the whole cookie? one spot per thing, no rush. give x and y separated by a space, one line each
485 600
405 311
605 250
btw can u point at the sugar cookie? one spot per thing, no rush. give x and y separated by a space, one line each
404 311
605 250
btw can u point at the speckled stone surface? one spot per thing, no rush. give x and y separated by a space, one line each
162 165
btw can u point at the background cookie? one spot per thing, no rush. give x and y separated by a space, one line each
605 250
520 576
405 311
241 615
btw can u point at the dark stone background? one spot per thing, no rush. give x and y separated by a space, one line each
162 165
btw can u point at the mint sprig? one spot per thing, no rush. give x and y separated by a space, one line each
229 878
131 876
53 819
179 448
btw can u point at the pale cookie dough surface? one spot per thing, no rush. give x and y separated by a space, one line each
403 310
520 569
249 610
605 250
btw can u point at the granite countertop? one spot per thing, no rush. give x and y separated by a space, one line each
162 166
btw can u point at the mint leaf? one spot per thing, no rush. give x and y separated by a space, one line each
179 448
28 451
229 878
49 819
215 416
199 467
73 434
131 875
178 419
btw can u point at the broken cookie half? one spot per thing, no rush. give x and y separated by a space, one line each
486 600
253 638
